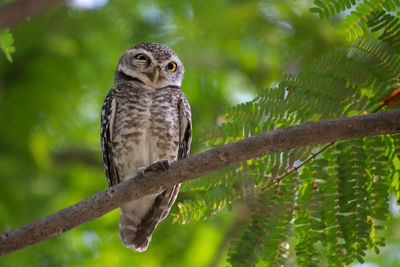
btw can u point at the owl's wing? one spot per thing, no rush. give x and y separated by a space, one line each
185 128
164 201
185 140
107 125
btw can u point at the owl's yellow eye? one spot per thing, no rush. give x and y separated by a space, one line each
141 57
171 66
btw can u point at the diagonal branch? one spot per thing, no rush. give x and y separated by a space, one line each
279 140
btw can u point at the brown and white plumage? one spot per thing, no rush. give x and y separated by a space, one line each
145 119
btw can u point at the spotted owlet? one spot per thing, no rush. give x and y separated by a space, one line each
145 121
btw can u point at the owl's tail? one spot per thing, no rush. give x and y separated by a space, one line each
139 218
132 234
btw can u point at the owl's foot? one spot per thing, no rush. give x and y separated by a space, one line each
159 165
140 172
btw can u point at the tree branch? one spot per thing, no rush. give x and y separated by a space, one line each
279 140
13 13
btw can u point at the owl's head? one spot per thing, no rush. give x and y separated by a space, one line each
151 65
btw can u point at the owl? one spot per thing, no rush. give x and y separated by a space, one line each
145 124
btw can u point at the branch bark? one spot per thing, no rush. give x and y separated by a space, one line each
279 140
13 13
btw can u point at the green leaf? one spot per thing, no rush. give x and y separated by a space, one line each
7 43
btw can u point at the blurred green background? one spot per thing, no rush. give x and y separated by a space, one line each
52 92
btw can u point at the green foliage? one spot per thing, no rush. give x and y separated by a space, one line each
337 194
389 24
204 205
373 15
6 43
265 233
329 8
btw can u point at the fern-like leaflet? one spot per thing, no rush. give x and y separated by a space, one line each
338 191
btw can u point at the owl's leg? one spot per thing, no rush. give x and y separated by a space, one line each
156 166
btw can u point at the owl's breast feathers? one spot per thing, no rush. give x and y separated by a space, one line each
146 128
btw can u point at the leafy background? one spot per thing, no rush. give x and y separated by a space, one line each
63 64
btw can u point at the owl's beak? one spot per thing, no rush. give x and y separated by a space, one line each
155 75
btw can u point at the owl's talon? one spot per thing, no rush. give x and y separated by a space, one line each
164 164
159 165
141 172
